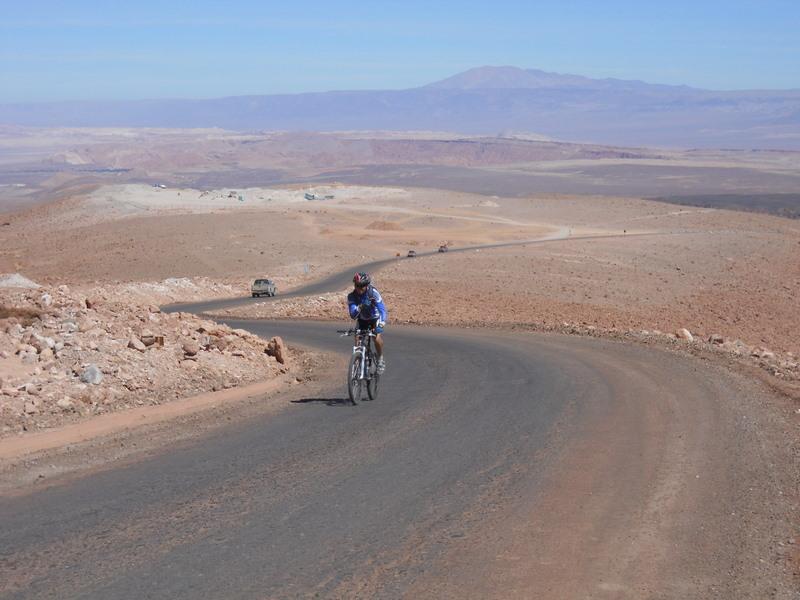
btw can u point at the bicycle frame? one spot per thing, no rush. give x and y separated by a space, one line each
363 347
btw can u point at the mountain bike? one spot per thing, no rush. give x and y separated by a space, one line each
363 368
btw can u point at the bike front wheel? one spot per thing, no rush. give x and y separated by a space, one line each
354 378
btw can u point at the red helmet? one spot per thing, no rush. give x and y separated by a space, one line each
361 279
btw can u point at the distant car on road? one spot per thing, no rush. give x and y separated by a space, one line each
411 254
443 248
263 287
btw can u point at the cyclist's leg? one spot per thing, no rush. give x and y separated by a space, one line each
379 347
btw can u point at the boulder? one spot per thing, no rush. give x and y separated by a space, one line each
92 374
763 353
65 404
218 343
684 334
29 358
716 338
277 349
24 349
40 342
69 326
136 344
46 300
85 325
148 338
191 348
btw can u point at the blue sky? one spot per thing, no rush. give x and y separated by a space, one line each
128 50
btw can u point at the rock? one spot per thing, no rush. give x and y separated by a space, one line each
92 374
8 391
277 349
30 408
153 309
65 404
4 354
40 342
147 337
218 343
30 388
69 326
136 344
29 358
715 338
191 348
85 325
763 353
91 303
46 300
46 354
683 334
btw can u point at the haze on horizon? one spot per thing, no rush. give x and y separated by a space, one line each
51 51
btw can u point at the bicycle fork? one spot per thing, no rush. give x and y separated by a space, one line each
362 363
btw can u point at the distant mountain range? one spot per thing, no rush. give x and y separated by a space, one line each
484 100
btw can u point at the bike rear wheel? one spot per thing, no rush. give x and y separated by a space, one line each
373 378
354 378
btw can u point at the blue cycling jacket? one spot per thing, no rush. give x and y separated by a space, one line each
371 297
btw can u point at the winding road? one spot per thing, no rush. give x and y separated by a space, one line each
493 465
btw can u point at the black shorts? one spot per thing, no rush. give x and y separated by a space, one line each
370 324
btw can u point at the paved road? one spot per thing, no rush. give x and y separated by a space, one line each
339 280
491 466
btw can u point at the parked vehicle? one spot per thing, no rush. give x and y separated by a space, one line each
411 254
263 287
443 248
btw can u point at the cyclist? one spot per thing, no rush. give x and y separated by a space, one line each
366 305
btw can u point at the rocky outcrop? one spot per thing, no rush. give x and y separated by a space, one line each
92 351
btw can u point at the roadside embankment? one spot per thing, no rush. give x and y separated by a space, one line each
67 355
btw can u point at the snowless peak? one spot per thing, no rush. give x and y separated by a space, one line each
507 77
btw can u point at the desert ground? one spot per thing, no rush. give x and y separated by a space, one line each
100 229
132 216
599 265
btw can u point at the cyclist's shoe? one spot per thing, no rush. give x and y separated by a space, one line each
381 365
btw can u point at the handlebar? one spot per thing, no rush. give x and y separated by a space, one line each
346 332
